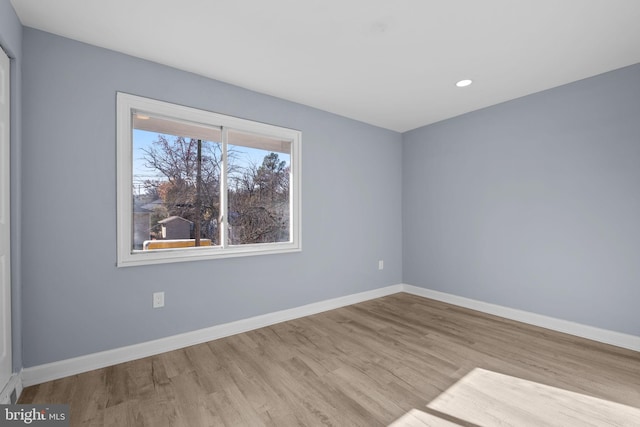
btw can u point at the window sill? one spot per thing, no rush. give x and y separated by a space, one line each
163 256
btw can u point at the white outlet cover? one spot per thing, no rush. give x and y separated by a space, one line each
158 299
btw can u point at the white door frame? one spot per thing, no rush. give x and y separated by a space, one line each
6 368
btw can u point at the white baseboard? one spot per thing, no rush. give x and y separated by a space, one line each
630 342
51 371
14 384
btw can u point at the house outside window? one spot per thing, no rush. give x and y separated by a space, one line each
194 184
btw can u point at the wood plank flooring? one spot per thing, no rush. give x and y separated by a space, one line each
388 361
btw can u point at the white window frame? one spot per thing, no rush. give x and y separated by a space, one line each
126 256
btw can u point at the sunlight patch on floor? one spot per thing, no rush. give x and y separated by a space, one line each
485 398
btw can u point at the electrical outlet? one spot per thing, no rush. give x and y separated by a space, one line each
158 299
381 264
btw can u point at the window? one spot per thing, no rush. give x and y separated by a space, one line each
195 185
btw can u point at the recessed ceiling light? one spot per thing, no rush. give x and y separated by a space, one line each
464 83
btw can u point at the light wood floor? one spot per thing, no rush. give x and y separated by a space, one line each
400 360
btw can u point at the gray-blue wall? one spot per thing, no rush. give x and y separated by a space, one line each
77 302
11 42
533 204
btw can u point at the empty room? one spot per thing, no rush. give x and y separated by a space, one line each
356 213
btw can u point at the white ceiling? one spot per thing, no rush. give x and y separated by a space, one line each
390 63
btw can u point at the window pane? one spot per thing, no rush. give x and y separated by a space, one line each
258 189
176 183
